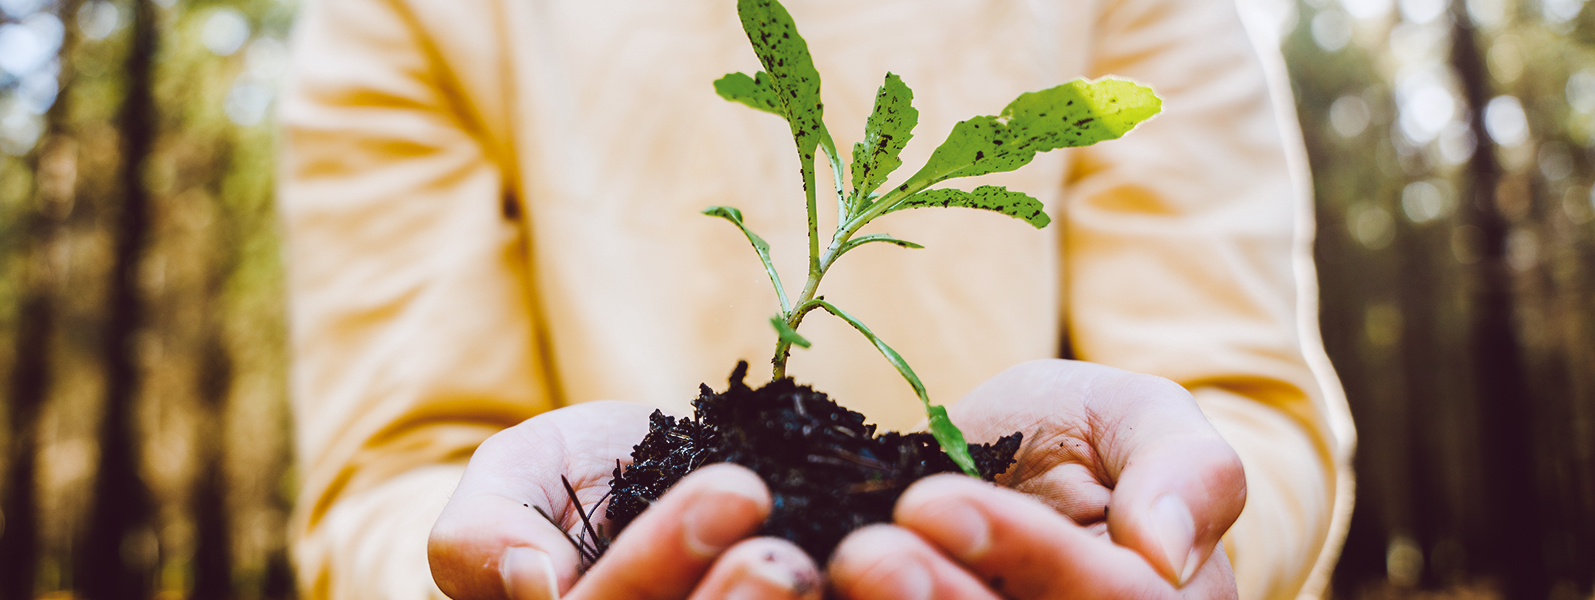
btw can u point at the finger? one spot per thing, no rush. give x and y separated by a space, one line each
490 542
1178 485
1021 547
883 562
663 554
1044 400
761 568
492 547
1071 485
528 574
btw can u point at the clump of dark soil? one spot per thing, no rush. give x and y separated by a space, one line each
828 472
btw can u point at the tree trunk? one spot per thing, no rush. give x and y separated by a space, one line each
1418 293
213 562
116 561
52 195
1511 532
30 382
213 557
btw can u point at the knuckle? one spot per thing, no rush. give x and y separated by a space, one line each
1217 460
1232 473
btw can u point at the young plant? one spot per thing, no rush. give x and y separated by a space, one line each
1078 113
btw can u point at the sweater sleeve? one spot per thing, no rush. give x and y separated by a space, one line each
410 308
1188 256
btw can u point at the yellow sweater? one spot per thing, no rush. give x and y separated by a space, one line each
492 211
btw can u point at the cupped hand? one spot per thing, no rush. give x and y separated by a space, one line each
1122 490
490 542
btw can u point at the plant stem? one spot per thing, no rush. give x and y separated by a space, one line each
817 267
845 230
844 208
783 347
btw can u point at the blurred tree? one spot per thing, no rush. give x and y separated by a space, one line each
41 219
1511 534
1451 152
30 373
116 561
213 555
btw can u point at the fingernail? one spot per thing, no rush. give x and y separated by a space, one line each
1176 531
719 516
528 574
764 579
1192 561
960 529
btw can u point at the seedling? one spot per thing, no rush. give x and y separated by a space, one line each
1078 113
829 472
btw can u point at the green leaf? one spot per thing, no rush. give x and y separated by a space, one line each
885 135
1078 113
786 333
951 439
882 237
987 197
874 237
942 428
759 245
786 58
756 91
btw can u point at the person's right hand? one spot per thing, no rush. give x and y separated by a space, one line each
490 543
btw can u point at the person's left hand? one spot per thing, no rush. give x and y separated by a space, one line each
1123 491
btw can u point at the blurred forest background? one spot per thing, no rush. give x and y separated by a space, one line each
144 441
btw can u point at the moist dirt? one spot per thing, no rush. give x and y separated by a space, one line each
828 472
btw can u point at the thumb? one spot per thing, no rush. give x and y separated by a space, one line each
490 542
490 545
486 546
1179 486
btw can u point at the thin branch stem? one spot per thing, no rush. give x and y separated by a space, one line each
844 208
783 347
848 224
817 267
